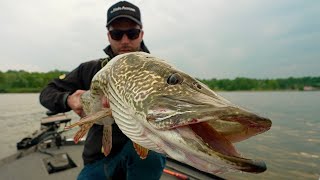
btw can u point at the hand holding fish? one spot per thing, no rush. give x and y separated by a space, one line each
74 103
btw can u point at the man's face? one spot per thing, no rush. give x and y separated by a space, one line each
125 44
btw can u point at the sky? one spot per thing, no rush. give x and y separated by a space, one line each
206 39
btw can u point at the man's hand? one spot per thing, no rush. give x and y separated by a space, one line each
74 102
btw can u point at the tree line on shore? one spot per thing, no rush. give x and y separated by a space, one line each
21 81
251 84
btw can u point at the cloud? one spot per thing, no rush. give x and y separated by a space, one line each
26 67
211 38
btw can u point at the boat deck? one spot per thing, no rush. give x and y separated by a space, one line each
34 162
31 166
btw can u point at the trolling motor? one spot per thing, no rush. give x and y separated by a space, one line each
47 136
49 129
49 133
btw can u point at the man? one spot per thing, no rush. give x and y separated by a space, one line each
125 35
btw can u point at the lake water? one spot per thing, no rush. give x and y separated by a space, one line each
291 149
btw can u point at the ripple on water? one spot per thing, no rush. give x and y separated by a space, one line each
309 155
314 140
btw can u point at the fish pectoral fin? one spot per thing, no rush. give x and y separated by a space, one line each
83 130
92 118
107 139
141 151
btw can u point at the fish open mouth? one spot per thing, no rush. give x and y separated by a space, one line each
214 139
211 128
213 132
221 143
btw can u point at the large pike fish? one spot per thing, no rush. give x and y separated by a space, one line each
165 110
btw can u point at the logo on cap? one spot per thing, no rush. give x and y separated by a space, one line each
122 8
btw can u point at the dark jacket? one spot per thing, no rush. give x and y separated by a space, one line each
54 98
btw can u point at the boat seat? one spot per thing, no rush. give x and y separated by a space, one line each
55 119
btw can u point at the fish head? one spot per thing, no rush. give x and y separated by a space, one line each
172 102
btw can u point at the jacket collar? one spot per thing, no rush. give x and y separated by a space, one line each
111 54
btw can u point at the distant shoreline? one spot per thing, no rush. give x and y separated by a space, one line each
34 82
24 91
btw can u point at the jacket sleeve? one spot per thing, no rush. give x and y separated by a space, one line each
54 95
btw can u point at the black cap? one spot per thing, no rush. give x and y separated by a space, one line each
124 9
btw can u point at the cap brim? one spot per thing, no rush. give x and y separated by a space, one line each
125 16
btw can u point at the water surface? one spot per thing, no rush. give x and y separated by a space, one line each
291 148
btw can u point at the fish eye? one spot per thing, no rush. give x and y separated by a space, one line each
197 85
174 79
